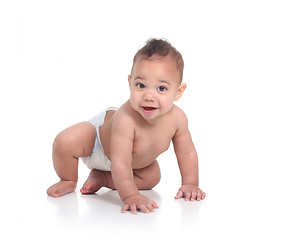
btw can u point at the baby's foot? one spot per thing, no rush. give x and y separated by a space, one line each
94 182
61 188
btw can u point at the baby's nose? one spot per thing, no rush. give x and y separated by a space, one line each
149 96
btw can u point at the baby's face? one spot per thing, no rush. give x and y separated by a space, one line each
154 86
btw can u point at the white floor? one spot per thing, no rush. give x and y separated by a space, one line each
243 202
61 62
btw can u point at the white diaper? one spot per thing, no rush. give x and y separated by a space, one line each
98 159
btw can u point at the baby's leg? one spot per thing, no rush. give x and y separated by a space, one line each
145 179
148 177
72 143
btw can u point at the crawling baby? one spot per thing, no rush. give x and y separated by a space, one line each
121 145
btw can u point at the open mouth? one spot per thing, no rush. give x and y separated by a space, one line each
148 109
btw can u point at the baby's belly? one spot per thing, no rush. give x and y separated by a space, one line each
139 162
143 155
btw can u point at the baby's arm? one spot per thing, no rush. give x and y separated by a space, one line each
187 160
122 136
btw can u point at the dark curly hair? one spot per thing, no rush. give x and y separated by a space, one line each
159 48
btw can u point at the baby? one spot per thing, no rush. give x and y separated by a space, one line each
121 145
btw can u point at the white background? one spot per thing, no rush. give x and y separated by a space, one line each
61 62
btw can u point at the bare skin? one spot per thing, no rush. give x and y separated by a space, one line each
145 178
132 138
68 146
71 144
95 181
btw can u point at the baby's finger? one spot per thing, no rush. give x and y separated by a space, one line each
125 208
188 196
199 195
150 207
154 204
193 196
144 208
203 196
179 194
133 209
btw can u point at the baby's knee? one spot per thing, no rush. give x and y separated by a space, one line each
63 143
156 179
155 175
152 181
59 143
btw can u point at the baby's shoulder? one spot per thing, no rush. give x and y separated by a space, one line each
122 116
180 119
122 124
178 114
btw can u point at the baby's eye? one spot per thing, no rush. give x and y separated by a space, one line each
162 88
140 85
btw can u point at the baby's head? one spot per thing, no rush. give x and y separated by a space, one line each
156 49
155 80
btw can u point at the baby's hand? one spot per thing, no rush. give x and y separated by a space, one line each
190 193
138 201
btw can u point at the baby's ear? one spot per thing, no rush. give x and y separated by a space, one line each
181 90
129 78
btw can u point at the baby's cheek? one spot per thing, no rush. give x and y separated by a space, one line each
133 101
